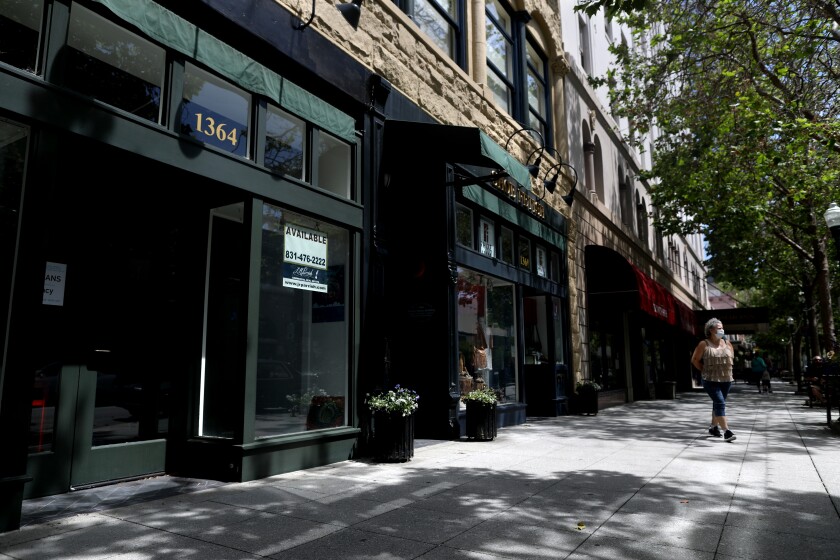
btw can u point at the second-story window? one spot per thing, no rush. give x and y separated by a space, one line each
517 69
500 55
440 21
537 77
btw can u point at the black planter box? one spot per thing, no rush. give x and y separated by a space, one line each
586 402
481 421
393 437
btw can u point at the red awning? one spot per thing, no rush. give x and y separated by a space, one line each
654 299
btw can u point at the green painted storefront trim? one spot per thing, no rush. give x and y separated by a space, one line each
177 33
510 213
517 171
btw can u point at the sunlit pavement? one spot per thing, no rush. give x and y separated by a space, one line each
643 480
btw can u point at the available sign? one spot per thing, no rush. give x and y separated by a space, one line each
304 258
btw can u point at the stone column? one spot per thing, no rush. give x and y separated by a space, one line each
479 43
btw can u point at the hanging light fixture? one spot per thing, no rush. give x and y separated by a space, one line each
351 11
533 168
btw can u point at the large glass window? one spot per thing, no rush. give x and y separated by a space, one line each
214 111
500 76
506 239
440 21
113 65
20 27
463 226
537 79
304 320
487 237
487 334
335 165
285 143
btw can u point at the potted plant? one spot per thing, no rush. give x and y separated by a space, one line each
392 413
586 392
481 413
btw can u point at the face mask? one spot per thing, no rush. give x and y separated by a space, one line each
721 334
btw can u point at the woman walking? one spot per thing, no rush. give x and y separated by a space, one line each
713 357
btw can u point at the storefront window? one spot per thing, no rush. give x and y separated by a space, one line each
524 253
486 334
20 31
555 267
487 235
542 263
335 166
304 322
214 112
463 226
507 246
285 143
113 65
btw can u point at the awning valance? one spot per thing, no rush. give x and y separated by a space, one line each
179 34
466 145
611 275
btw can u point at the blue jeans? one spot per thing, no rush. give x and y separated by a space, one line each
718 391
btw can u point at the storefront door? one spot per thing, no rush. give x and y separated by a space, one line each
86 430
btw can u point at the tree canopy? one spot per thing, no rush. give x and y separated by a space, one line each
740 101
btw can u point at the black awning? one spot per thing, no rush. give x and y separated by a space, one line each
467 145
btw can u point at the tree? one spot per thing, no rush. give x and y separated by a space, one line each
740 99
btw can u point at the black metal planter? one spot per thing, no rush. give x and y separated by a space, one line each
481 421
587 402
393 437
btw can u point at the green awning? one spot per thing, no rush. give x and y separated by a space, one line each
177 33
466 145
512 214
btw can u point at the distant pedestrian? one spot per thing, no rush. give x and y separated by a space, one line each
714 357
760 372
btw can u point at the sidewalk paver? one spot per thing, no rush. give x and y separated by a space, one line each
639 481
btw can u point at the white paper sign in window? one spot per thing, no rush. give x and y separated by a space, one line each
541 262
55 276
487 235
304 258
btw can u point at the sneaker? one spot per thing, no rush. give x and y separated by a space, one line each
714 431
728 436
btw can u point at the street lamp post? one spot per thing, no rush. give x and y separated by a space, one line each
832 220
790 322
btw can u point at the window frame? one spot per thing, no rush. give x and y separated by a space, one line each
520 40
459 51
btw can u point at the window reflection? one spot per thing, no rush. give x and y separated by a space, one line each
285 146
486 334
303 336
334 165
214 112
20 26
113 65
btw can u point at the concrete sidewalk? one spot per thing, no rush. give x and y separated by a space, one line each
637 481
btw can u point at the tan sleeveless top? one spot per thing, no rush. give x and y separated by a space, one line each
717 363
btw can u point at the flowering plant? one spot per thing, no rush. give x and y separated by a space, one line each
485 395
587 386
304 399
399 399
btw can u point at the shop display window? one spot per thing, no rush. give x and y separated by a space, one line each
113 65
303 339
285 143
214 111
486 334
463 226
524 253
507 246
487 238
555 267
334 165
542 263
20 32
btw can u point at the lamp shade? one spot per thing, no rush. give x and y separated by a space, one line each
351 12
832 216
